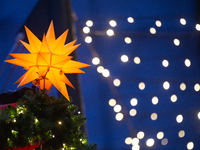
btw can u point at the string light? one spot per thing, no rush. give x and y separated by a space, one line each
165 63
187 62
173 98
130 19
124 58
190 145
128 140
133 112
106 73
36 120
119 116
198 115
95 60
176 42
197 27
150 142
89 23
100 69
117 108
59 122
182 86
88 39
134 101
140 135
164 141
112 23
152 30
183 21
141 86
158 23
116 82
196 87
154 100
166 85
128 40
181 133
160 135
110 32
137 60
53 136
135 141
86 30
154 116
14 120
179 118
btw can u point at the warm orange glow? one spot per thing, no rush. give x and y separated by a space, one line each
48 61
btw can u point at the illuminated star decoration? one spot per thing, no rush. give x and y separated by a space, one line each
48 61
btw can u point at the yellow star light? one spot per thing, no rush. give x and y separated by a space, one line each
48 61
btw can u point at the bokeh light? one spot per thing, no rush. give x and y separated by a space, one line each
95 60
128 40
160 135
181 133
154 100
150 142
135 141
165 63
179 118
152 30
198 115
117 108
135 147
89 23
112 102
187 62
182 86
100 69
116 82
164 141
134 101
112 23
140 135
196 87
88 39
86 30
124 58
158 23
130 19
166 85
197 27
141 86
173 98
128 140
106 73
154 116
183 21
176 42
110 32
190 145
119 116
133 112
137 60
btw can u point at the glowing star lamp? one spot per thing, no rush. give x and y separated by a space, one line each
48 61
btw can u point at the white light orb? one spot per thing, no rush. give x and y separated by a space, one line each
134 101
136 147
183 86
179 118
165 63
158 23
128 40
133 112
190 145
141 86
183 21
89 23
124 58
164 141
154 100
135 141
160 135
106 73
196 87
197 27
88 39
128 140
198 115
86 30
140 135
117 108
176 42
95 60
110 32
112 102
130 19
166 85
137 60
116 82
152 30
187 62
112 23
181 133
154 116
150 142
119 116
100 69
173 98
